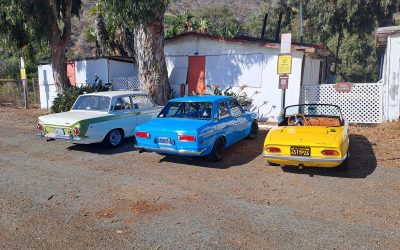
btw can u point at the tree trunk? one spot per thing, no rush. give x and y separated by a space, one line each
149 48
102 36
59 37
127 41
59 65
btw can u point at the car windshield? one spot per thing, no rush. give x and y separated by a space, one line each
313 110
190 110
92 102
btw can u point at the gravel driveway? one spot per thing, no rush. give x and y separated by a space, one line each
57 195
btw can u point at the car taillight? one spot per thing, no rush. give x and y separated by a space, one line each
143 134
76 131
39 127
188 138
329 152
273 150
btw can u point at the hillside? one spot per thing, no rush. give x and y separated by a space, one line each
80 47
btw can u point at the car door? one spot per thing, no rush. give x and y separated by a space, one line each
240 122
125 115
225 122
145 110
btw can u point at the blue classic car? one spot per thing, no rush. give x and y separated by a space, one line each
197 126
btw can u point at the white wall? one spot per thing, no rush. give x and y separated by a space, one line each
311 71
237 64
121 69
391 78
47 88
87 69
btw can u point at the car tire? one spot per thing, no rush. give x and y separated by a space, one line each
253 130
344 166
218 151
272 164
114 138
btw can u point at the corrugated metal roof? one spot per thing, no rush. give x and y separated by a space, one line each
382 33
319 49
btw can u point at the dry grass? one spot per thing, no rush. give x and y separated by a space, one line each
384 140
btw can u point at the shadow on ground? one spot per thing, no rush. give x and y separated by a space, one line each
98 148
362 162
241 153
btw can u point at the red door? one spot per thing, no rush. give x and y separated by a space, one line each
196 74
71 72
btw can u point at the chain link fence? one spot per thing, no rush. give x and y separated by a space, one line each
12 93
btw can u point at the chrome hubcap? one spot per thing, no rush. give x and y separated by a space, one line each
115 137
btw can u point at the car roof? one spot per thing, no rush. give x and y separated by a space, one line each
117 93
204 98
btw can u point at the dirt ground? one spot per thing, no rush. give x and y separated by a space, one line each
58 195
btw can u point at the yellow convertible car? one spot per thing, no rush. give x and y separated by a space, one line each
309 135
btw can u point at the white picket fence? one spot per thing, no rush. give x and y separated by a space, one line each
126 83
364 104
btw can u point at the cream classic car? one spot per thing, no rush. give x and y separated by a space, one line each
106 117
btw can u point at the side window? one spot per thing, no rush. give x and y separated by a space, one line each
235 108
223 110
123 103
141 101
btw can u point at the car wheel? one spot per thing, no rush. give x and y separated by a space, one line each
217 153
113 139
272 164
253 130
344 166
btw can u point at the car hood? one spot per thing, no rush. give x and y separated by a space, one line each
172 125
71 117
305 135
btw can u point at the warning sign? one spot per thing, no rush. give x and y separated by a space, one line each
284 64
283 82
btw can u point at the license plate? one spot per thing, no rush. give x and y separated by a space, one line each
300 151
164 140
59 131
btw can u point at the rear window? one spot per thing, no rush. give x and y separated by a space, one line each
189 110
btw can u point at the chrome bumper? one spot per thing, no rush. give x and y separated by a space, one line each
170 150
303 158
60 137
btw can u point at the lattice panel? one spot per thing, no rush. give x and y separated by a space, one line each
126 83
362 105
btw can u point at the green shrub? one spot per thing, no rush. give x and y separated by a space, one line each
63 102
240 94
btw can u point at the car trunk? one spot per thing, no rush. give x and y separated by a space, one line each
312 136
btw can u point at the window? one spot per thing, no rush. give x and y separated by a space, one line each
123 103
223 110
92 102
142 101
235 107
189 110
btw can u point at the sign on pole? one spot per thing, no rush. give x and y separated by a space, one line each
286 43
283 82
284 64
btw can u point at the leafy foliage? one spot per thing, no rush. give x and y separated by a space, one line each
64 101
240 94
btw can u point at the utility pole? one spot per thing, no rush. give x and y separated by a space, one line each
23 79
301 22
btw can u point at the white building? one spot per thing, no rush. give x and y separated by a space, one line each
83 72
194 58
388 44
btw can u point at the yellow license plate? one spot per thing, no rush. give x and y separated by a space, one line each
300 151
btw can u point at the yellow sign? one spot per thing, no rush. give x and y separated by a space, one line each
23 74
284 64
